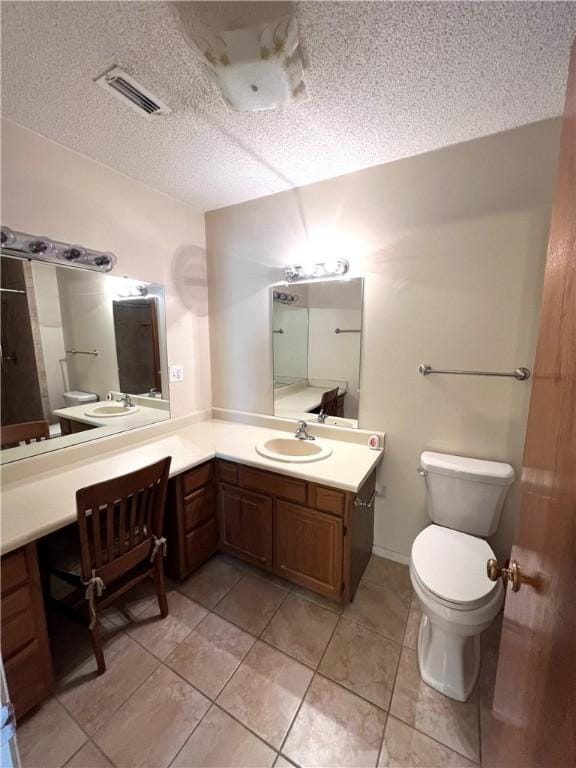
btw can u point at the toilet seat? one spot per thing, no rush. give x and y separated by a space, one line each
450 566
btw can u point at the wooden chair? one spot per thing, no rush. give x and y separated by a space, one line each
25 432
329 402
120 540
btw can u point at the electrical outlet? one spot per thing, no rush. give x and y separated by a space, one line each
176 373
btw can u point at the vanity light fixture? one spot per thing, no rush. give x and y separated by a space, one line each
26 246
285 298
319 271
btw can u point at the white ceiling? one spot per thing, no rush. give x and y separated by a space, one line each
385 80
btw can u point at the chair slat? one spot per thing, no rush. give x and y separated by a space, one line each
133 501
122 527
142 504
97 536
110 532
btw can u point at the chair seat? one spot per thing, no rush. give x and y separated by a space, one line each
61 551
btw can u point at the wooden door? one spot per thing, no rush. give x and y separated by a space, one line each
246 524
137 345
534 710
309 548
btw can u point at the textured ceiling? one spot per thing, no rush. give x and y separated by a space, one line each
385 80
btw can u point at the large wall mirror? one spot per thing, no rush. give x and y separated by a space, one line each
317 340
83 356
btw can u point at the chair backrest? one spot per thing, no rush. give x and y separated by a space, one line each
118 520
329 402
24 432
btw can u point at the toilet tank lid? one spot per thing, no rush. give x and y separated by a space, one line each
79 395
495 472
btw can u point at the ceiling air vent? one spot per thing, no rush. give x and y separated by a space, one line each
124 87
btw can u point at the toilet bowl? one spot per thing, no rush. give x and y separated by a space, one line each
448 567
459 602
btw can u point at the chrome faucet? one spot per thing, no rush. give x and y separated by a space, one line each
154 392
322 417
126 400
302 431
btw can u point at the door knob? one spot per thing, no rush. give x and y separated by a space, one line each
509 574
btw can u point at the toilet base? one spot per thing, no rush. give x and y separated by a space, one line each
448 662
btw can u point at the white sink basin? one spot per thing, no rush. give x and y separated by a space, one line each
293 450
109 411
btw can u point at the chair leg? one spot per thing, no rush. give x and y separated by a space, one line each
97 646
160 586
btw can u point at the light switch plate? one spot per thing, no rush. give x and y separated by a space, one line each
176 373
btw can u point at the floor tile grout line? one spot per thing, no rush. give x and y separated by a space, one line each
314 673
433 738
273 615
192 732
413 725
376 631
65 763
388 713
90 737
89 741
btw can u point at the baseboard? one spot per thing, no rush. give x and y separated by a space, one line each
389 555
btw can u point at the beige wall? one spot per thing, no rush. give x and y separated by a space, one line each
49 190
452 245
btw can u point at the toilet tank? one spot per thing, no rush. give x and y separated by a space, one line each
465 494
77 397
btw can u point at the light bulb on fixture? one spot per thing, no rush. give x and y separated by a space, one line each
318 271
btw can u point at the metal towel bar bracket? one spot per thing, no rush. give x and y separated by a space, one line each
521 374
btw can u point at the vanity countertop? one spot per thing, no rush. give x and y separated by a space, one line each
300 400
144 415
34 505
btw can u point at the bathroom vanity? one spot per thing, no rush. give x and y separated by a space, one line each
313 535
311 523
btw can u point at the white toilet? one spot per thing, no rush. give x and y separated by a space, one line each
448 567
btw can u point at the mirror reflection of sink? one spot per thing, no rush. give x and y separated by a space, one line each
293 450
107 411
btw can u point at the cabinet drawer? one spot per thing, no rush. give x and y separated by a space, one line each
227 472
198 508
14 570
201 544
29 677
327 499
308 548
197 477
18 625
276 485
246 524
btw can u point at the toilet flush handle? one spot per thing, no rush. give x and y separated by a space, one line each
509 574
421 472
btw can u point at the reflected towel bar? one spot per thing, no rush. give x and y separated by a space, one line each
13 290
521 374
94 352
343 330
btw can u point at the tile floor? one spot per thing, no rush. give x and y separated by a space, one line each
249 671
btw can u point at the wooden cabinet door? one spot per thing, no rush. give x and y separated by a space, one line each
309 548
246 524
